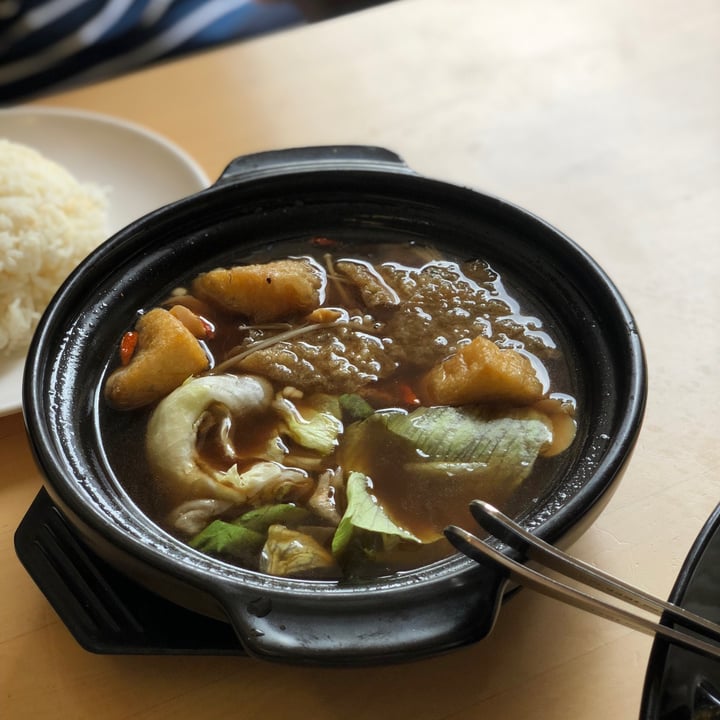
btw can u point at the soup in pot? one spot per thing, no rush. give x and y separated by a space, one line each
327 412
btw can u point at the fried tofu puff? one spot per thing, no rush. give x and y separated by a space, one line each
480 371
264 293
166 355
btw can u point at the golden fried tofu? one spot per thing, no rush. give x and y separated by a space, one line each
480 371
264 293
166 355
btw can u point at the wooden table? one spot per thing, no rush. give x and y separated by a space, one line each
603 118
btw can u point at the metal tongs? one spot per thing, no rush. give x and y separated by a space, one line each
540 552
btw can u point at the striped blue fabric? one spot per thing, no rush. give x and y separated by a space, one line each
50 44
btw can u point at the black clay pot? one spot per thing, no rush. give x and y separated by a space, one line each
348 192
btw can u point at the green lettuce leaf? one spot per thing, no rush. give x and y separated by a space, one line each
354 407
224 537
468 441
473 434
245 536
260 519
363 512
464 451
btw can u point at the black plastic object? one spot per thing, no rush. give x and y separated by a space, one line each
106 612
681 684
353 194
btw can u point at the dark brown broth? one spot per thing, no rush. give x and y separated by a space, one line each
424 508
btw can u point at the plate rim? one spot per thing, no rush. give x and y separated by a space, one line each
49 111
45 112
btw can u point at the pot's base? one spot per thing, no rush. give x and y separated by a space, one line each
105 612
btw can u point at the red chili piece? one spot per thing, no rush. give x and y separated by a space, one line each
208 327
323 242
127 346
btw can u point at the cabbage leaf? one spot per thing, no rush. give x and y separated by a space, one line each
317 427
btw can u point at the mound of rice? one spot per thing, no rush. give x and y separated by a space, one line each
48 223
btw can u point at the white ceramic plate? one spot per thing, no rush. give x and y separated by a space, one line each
142 170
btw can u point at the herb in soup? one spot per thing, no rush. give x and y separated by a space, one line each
326 415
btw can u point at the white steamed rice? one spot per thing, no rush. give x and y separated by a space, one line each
48 223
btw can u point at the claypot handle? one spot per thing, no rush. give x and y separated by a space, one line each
310 159
365 627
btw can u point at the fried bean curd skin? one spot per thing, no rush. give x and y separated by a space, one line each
374 289
166 354
439 307
335 359
442 305
481 372
264 293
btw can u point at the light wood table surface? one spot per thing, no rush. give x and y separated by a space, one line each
601 117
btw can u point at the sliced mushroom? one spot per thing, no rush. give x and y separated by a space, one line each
291 553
